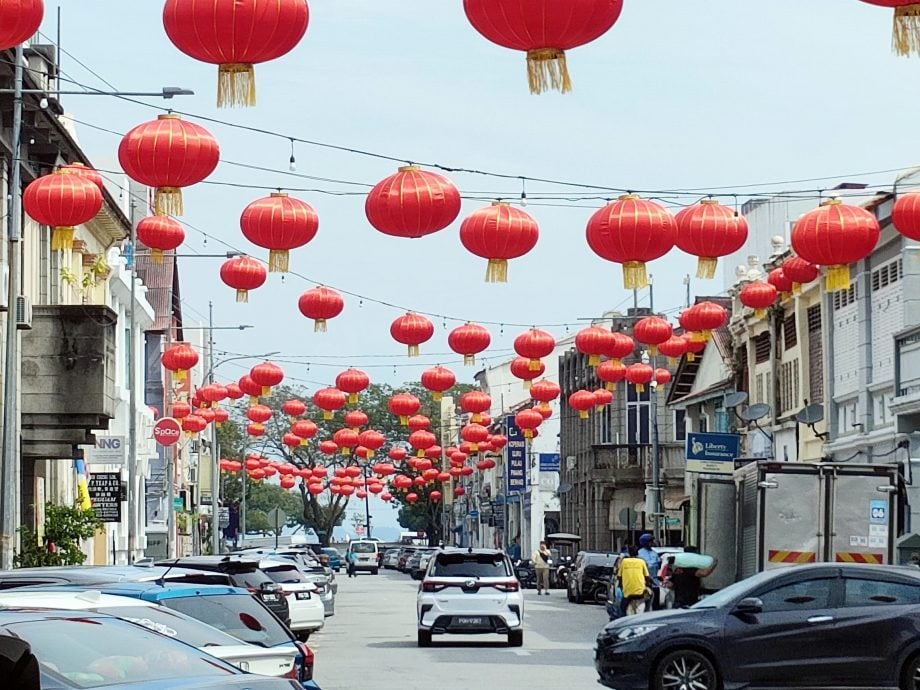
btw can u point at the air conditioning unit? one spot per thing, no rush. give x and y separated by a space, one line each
23 313
192 475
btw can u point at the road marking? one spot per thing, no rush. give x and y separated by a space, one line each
520 652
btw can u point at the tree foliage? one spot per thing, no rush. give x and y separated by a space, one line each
65 528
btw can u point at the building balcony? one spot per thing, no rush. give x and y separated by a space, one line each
632 465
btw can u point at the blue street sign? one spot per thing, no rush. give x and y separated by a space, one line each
712 453
515 458
549 462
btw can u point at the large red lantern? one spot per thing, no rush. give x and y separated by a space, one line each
86 172
181 409
194 424
694 346
521 368
259 413
652 331
291 440
705 317
168 154
498 233
267 375
418 422
799 271
710 230
632 231
250 388
422 440
534 344
372 440
161 234
778 279
836 235
242 273
475 403
619 347
662 378
346 440
412 203
328 447
758 296
474 434
279 223
305 429
329 400
404 405
438 380
469 340
594 342
639 375
544 29
179 359
293 408
412 330
602 398
321 304
905 36
527 421
544 392
582 401
19 21
61 200
906 215
673 348
353 382
611 373
236 36
356 419
234 392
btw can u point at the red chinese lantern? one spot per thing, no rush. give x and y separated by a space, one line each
836 235
257 475
294 408
434 453
778 279
386 497
412 203
213 393
602 398
412 329
582 401
906 215
220 416
288 482
267 375
544 29
319 472
710 230
346 440
234 392
469 340
372 440
84 171
236 36
527 421
758 296
19 21
694 346
632 232
321 304
459 491
328 447
250 388
411 498
498 233
652 331
255 429
291 440
397 454
498 442
61 200
521 368
438 380
705 317
253 463
329 400
315 489
346 490
474 434
475 403
544 392
259 413
639 375
168 154
352 382
404 405
799 271
242 273
535 344
181 410
434 496
418 422
206 413
662 378
179 359
673 348
279 223
305 429
593 342
422 441
355 419
905 36
161 234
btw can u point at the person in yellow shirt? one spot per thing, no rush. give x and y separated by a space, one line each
634 578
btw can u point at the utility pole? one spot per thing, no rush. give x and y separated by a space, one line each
10 469
171 450
367 501
656 449
133 484
215 449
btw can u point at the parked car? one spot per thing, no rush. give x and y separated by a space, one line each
403 558
306 608
92 650
243 572
390 559
90 575
413 564
828 625
335 558
272 661
470 592
364 553
423 563
314 572
591 576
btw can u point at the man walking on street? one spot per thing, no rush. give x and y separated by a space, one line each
634 581
541 563
653 561
686 582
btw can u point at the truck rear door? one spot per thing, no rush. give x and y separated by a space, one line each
861 516
791 516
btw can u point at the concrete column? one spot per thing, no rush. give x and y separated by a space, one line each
863 280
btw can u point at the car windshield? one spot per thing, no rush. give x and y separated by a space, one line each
97 652
284 574
363 547
470 565
733 592
251 580
172 624
238 615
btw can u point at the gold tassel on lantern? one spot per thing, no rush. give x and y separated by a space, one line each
653 350
414 351
837 278
327 415
346 451
62 238
497 271
278 260
253 399
905 37
156 256
760 313
583 414
403 420
236 85
534 365
547 69
706 267
593 360
634 275
437 396
469 360
691 357
352 398
319 326
640 388
180 374
167 201
610 386
697 336
266 390
242 296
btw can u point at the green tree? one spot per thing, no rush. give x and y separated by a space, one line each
65 528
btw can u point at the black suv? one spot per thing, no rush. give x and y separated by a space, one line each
590 576
244 573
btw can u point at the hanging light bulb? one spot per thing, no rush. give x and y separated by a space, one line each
523 193
293 164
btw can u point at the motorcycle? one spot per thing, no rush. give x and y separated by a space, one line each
561 580
526 574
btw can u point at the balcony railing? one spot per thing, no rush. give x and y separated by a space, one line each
907 363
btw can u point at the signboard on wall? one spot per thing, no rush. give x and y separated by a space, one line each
105 495
515 458
549 462
712 453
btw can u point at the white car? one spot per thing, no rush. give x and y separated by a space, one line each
313 570
390 559
470 592
362 555
271 661
308 614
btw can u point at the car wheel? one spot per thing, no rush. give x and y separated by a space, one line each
569 595
516 638
685 669
910 676
424 638
374 571
302 635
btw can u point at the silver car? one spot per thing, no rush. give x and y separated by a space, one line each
313 571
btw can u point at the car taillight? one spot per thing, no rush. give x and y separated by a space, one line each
308 660
294 673
429 586
507 586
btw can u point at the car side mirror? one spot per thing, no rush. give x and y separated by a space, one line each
749 606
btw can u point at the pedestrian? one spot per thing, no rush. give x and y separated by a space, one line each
648 554
350 559
542 559
514 551
686 582
634 579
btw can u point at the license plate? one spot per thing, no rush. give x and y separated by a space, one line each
472 622
269 597
301 595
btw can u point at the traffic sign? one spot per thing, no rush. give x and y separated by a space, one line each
277 518
167 431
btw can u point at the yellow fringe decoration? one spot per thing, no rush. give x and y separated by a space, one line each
547 69
706 267
691 356
167 201
497 271
278 260
599 408
583 414
156 256
534 365
327 415
414 351
610 386
837 278
346 451
905 36
319 326
266 390
180 375
404 420
634 275
352 398
62 238
672 361
469 360
436 396
253 399
303 441
594 360
474 447
640 388
236 85
760 313
653 350
242 296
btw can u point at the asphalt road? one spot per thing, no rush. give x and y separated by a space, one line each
370 644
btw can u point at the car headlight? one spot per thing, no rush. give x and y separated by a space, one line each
633 631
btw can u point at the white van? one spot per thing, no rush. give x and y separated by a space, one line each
362 555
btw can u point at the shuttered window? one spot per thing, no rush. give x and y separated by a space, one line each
815 355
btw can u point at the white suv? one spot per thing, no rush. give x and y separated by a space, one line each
470 592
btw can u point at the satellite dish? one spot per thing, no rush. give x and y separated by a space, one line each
811 414
564 488
754 412
735 399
